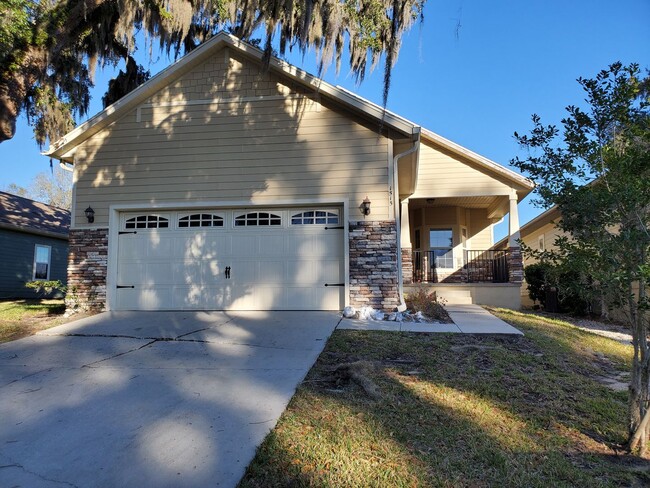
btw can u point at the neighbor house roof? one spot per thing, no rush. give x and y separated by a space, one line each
552 215
62 148
23 214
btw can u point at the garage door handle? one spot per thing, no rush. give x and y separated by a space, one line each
227 272
334 284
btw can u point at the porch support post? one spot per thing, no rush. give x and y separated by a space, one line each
407 248
513 222
515 260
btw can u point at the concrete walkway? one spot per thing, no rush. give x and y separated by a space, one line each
468 319
150 399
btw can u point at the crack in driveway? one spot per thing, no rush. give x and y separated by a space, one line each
40 476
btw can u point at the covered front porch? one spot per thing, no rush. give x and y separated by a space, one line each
450 240
447 247
450 199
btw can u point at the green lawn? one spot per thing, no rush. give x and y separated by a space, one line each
19 318
456 410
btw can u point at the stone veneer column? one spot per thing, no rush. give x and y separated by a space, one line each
407 265
515 265
373 265
87 266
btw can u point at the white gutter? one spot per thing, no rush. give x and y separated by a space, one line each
398 221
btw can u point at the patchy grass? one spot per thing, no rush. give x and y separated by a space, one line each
389 409
20 318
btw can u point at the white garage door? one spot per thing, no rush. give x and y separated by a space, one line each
286 259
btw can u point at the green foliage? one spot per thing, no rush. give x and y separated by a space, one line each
49 50
539 281
14 28
570 285
597 171
46 287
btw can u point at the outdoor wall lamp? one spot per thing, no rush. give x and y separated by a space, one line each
365 206
90 215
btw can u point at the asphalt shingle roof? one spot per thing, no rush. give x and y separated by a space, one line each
29 215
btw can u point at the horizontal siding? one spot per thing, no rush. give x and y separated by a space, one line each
480 230
256 151
550 233
441 175
17 258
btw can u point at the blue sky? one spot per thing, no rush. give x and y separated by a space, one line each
473 72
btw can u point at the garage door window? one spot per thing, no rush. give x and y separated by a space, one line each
147 222
315 217
253 219
200 220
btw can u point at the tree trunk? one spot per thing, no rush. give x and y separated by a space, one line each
9 111
640 385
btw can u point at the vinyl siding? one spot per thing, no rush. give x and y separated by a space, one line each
208 137
442 174
17 258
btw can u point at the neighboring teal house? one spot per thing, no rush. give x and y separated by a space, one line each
33 244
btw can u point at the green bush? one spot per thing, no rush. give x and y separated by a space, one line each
572 286
43 287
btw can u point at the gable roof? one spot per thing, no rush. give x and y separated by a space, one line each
23 214
60 148
356 104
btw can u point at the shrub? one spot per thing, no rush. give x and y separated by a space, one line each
429 304
46 287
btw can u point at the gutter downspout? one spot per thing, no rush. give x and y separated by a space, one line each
398 221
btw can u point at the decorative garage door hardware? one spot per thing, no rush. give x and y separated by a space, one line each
127 232
125 286
334 284
333 228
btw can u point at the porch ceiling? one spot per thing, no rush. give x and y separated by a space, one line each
496 205
467 202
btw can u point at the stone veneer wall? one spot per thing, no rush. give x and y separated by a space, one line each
515 265
87 266
373 265
407 265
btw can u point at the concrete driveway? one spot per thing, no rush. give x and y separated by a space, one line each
135 399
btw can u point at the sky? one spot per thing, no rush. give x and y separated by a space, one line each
473 72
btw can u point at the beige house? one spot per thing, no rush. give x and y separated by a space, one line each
538 234
218 185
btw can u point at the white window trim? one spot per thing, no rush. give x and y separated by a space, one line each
273 215
301 211
452 248
49 262
182 215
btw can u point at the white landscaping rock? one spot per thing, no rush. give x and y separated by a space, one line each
349 312
377 315
365 313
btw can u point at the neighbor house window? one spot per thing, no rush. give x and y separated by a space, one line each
441 245
42 256
540 243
